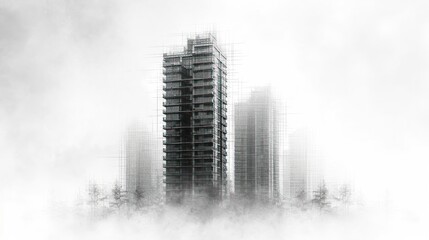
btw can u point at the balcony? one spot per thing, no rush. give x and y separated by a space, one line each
203 92
203 132
203 51
168 111
203 84
204 59
176 126
203 67
179 103
172 69
205 116
172 173
204 109
171 63
202 173
171 78
171 134
170 120
165 88
176 150
175 95
200 100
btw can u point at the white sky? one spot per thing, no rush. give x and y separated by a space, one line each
73 73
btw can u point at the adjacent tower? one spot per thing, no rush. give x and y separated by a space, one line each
143 170
257 147
195 120
305 162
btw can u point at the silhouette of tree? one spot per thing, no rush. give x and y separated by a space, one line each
96 198
345 194
119 196
138 196
320 197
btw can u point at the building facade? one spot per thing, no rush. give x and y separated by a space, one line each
143 170
305 162
195 120
257 147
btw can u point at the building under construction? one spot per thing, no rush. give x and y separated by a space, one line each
195 120
257 147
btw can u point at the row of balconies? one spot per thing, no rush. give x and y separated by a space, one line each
172 69
175 78
182 142
198 131
177 172
171 61
204 91
171 181
206 85
197 123
203 83
203 75
172 149
204 108
176 109
203 67
178 164
177 137
177 103
176 95
203 122
204 59
187 154
175 126
207 38
205 116
177 156
176 142
175 87
204 49
202 99
203 131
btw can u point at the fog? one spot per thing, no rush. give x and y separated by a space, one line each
74 74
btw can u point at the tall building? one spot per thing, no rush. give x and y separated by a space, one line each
257 147
143 169
305 163
195 120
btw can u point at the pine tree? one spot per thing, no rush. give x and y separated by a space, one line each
320 197
96 198
119 196
138 196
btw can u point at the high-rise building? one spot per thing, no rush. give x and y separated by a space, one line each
143 170
195 120
305 163
257 147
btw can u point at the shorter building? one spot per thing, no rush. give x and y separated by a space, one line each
143 162
256 167
305 166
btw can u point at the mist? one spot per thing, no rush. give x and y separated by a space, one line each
74 74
